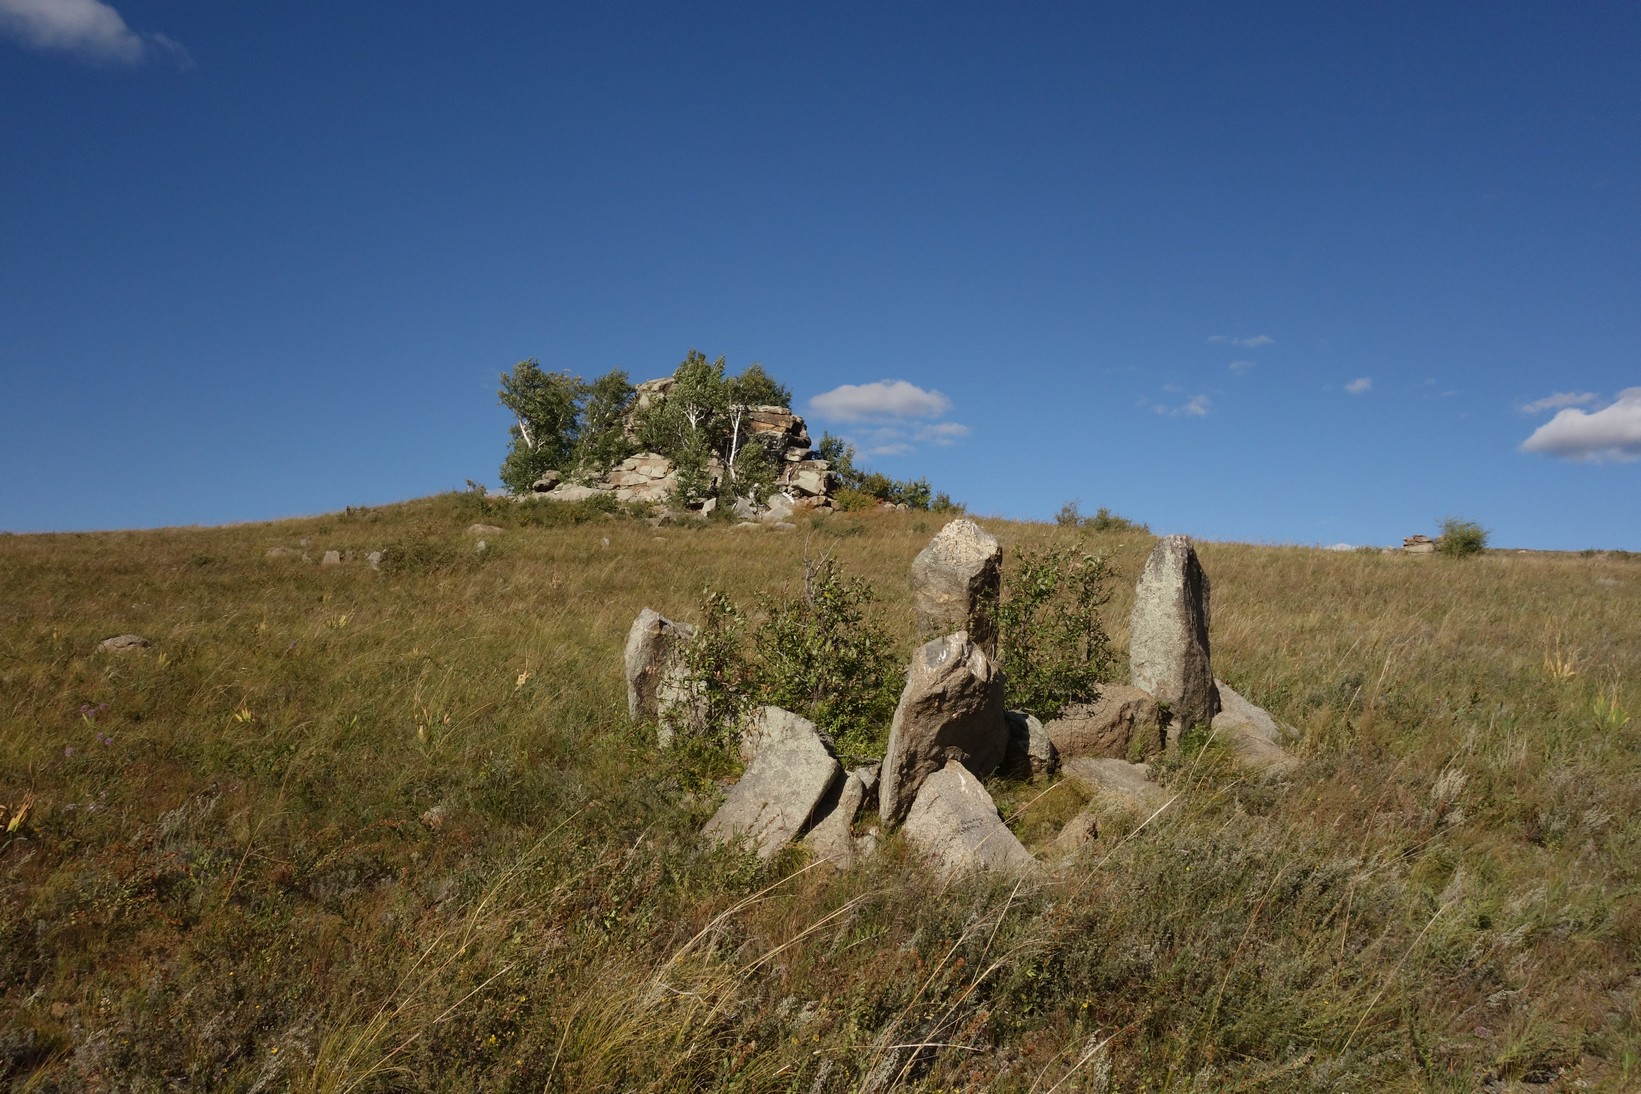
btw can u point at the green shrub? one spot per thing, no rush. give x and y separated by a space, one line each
1461 537
1053 643
1103 520
818 654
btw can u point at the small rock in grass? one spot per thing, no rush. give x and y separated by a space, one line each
122 643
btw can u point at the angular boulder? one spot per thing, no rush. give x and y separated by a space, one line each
950 709
955 824
1168 635
955 583
778 794
655 664
1251 733
1110 725
572 491
833 838
1031 754
124 643
768 725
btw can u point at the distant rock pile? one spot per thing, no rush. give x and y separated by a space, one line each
950 729
803 480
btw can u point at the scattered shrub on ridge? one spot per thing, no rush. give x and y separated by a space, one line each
1460 538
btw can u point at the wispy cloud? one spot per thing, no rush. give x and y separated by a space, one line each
1559 400
88 29
1198 406
890 416
1254 342
1360 386
1611 433
1238 368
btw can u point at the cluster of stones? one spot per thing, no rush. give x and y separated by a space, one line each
335 557
950 729
803 479
1419 545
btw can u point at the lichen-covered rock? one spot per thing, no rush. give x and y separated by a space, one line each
778 794
655 664
955 582
950 709
956 826
1168 635
1122 719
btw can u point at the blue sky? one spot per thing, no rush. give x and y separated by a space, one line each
1277 272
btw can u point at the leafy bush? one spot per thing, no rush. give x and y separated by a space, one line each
1053 644
1460 538
817 654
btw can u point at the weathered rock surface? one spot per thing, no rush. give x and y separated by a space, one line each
955 581
331 558
1168 634
833 838
1116 785
950 709
124 643
1252 734
768 725
1419 545
1031 754
572 491
1122 718
778 794
548 480
655 664
955 824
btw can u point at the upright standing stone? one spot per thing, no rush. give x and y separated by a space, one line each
654 662
951 709
955 581
1168 635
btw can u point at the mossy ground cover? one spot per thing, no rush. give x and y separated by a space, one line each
341 829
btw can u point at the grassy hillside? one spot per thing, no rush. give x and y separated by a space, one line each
348 830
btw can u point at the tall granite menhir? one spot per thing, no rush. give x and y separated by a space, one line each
955 583
1168 635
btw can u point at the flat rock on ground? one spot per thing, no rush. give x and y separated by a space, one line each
122 643
777 796
955 824
1117 784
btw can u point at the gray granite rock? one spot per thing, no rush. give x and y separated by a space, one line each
955 825
950 709
955 583
1168 635
1122 718
776 797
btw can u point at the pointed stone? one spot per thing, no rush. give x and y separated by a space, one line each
1031 755
955 824
951 709
1168 635
778 794
955 583
1252 734
654 663
833 837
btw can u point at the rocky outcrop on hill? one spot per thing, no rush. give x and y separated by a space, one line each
801 476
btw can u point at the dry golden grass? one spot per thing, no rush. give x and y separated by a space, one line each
345 830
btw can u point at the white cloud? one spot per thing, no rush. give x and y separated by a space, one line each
883 399
1198 406
1360 386
1559 400
1611 433
1240 367
887 413
1255 342
88 28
